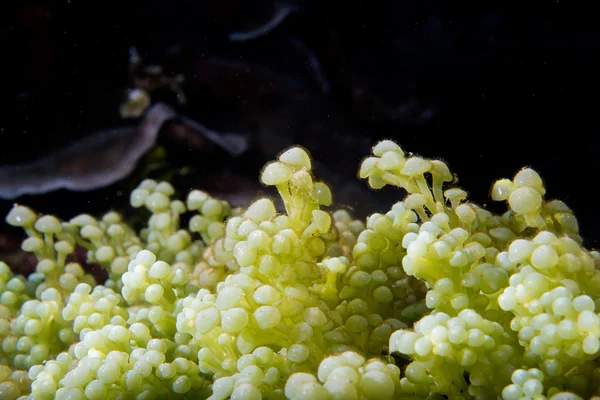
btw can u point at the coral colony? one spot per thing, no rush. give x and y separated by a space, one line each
437 298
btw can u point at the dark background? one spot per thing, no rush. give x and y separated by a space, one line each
490 87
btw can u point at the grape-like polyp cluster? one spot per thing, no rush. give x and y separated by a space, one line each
436 298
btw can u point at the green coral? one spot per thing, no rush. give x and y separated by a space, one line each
308 303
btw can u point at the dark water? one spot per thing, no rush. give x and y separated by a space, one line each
489 87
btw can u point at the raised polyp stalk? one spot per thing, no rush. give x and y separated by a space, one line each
440 174
278 174
416 202
23 217
303 204
416 167
48 226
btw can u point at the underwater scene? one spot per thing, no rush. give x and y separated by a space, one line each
299 199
